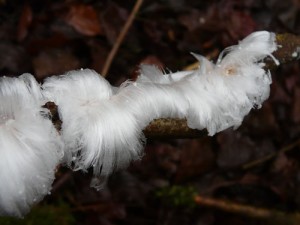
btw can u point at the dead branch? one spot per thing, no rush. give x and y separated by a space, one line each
121 37
271 216
288 51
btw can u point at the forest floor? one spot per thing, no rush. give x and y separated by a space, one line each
238 177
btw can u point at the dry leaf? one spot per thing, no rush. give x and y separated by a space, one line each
24 22
84 19
296 106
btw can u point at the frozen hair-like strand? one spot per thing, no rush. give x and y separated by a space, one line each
30 147
102 125
97 131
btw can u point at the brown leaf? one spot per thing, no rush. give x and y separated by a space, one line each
24 22
278 94
150 60
285 11
56 40
153 60
14 60
196 158
291 81
240 24
296 106
54 62
99 52
113 24
262 121
282 163
235 149
192 20
84 19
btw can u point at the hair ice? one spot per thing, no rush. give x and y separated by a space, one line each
30 147
102 125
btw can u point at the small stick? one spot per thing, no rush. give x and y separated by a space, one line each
273 216
177 128
120 38
271 155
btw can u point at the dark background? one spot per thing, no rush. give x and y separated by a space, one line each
51 37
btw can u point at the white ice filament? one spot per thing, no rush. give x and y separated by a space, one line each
30 147
102 125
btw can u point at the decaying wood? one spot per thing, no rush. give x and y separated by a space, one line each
288 51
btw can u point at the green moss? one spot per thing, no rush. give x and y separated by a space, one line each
178 196
280 37
43 215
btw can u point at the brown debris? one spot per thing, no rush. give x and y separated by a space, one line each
84 19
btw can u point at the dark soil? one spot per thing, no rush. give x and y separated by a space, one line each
52 37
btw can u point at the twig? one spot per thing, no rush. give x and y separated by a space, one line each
121 37
289 48
209 56
270 156
271 215
288 51
61 181
176 128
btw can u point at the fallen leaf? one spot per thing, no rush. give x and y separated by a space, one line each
84 19
150 60
240 24
278 94
263 121
235 149
296 106
196 158
113 24
54 62
24 22
14 60
192 20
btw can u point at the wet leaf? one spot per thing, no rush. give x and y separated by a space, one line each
54 62
112 25
235 149
149 60
24 22
84 19
14 60
296 106
196 158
